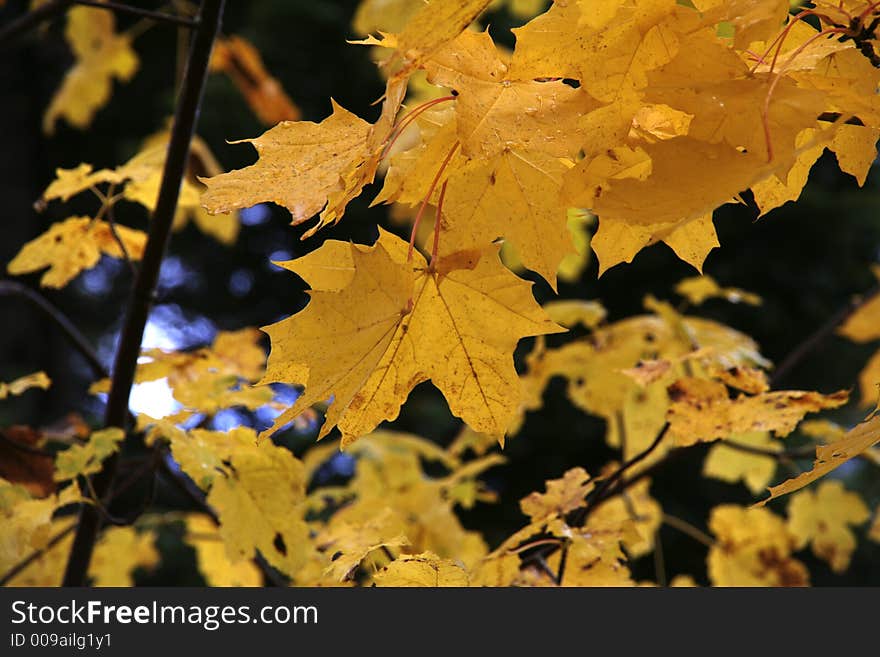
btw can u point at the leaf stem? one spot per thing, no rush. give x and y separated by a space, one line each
435 249
421 212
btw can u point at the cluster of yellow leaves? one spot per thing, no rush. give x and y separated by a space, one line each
28 528
77 243
664 96
211 378
622 371
642 111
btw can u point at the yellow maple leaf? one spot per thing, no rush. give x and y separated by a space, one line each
213 562
36 380
349 543
821 517
118 552
87 459
72 246
698 289
299 166
731 465
562 495
436 23
830 457
258 492
522 187
241 61
635 506
864 324
424 569
753 548
403 323
702 411
102 55
496 112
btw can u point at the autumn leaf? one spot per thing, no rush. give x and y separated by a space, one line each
74 245
299 166
753 549
727 463
119 551
822 517
702 411
255 490
455 324
562 495
87 459
424 569
24 462
433 25
22 384
102 55
241 61
698 289
213 562
830 457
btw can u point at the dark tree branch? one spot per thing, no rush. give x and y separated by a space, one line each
26 22
157 16
14 288
821 334
210 16
601 492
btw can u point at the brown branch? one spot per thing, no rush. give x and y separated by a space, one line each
601 492
157 16
821 334
26 22
14 288
210 16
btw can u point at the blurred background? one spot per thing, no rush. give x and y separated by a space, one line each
805 260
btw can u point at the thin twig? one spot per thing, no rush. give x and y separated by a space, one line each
14 288
606 489
26 22
806 452
689 530
821 334
141 299
156 16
